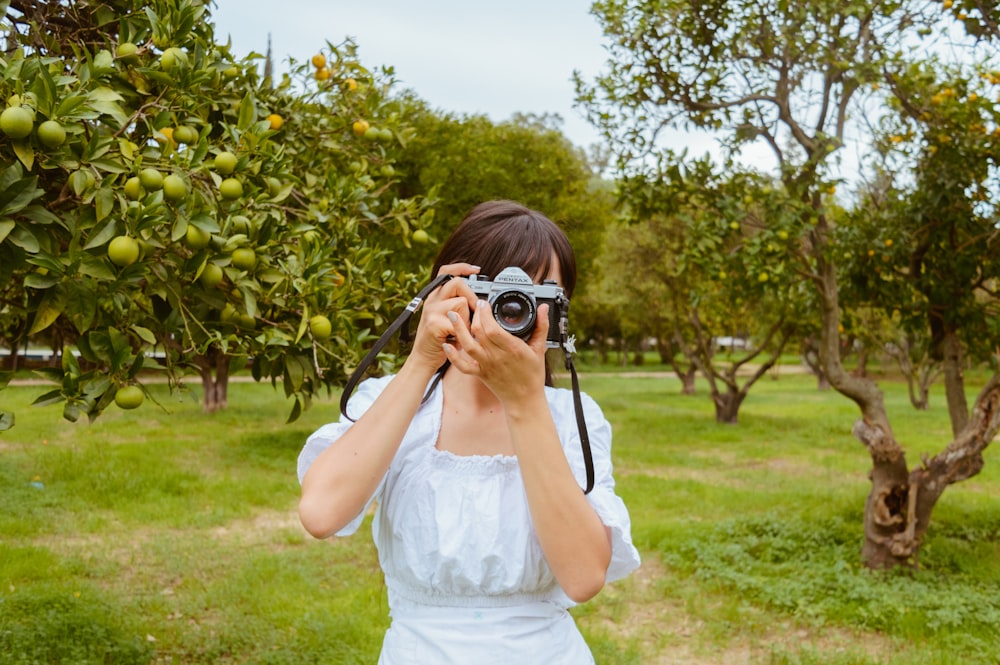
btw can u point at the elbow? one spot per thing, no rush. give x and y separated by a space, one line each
317 520
586 587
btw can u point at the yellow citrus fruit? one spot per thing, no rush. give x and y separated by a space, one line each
225 162
196 237
16 122
244 258
151 179
322 74
211 276
123 251
319 61
320 327
276 121
351 84
174 188
360 127
51 134
231 188
129 397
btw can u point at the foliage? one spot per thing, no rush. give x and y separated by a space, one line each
234 257
460 161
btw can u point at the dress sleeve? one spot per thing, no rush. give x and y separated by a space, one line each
603 499
325 436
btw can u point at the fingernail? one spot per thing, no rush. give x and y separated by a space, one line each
447 349
453 316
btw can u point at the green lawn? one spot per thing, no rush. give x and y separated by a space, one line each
170 536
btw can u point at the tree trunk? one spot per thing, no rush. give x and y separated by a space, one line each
727 406
214 371
954 381
688 380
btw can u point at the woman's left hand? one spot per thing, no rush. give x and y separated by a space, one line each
510 367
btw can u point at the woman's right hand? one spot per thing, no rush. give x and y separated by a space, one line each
436 327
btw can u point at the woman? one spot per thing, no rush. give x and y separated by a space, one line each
483 532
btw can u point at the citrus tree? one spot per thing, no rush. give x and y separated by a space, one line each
715 276
789 75
163 211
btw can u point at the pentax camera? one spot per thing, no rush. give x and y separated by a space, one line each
514 301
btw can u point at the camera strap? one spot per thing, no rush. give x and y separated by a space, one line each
401 325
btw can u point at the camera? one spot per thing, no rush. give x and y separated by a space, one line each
514 301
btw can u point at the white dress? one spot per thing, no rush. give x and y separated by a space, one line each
465 576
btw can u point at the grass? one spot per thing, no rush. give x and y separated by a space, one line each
170 536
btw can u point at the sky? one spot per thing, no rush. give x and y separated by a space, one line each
462 56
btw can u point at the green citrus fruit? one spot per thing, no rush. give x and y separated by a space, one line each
320 327
127 51
129 397
231 188
211 276
372 134
420 236
172 57
244 258
51 134
385 134
186 134
174 188
196 237
240 224
151 179
123 251
225 162
16 122
133 188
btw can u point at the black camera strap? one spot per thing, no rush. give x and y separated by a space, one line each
401 325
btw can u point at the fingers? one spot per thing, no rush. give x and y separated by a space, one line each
459 269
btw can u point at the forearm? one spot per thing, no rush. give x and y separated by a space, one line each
576 543
343 478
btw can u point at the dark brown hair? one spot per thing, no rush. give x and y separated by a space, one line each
499 234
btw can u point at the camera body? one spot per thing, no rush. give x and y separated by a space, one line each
514 299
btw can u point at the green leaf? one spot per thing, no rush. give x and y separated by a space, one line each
102 237
18 194
248 113
6 417
48 310
25 239
145 334
25 153
6 226
97 268
35 280
105 202
51 397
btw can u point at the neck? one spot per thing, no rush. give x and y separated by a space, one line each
472 392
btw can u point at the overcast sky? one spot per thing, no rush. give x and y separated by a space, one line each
463 56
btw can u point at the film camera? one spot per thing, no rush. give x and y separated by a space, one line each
514 300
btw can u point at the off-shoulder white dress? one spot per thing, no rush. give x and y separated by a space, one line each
466 579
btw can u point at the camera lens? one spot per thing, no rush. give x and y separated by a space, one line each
515 312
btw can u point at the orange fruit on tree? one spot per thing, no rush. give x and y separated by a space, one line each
276 121
360 127
319 61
